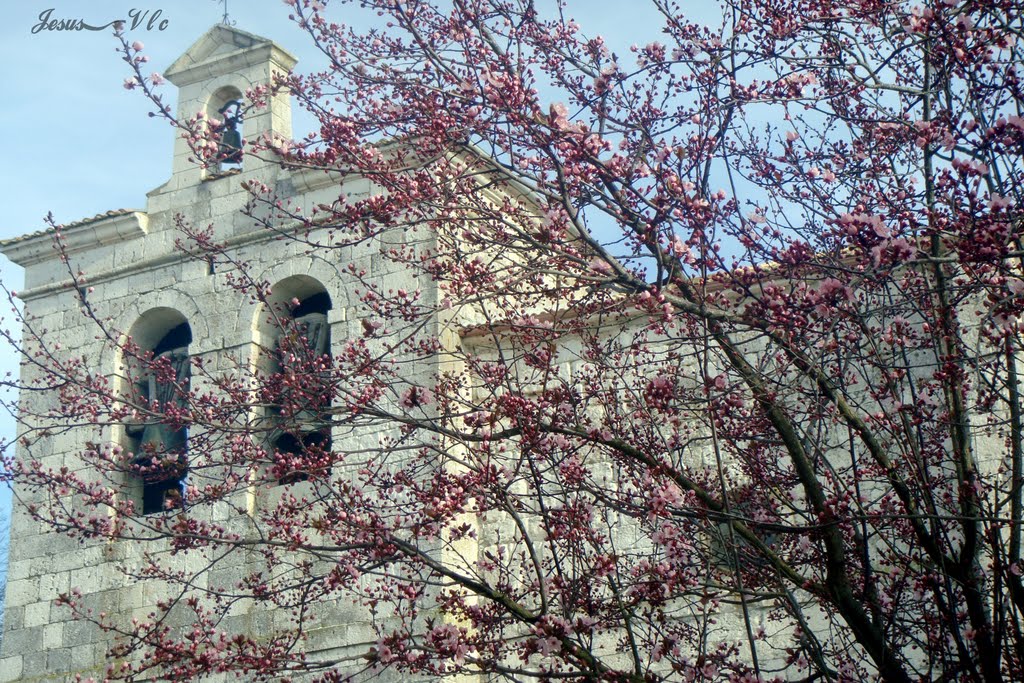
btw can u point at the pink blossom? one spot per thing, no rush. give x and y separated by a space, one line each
969 167
559 115
830 286
679 248
899 250
416 397
880 228
997 202
855 221
549 645
667 494
137 45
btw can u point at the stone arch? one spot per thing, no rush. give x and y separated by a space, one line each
232 85
295 275
150 328
301 287
219 97
268 318
161 307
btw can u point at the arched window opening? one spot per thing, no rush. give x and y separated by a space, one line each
729 550
225 109
300 380
158 441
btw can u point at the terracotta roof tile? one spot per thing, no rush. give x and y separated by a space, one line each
74 224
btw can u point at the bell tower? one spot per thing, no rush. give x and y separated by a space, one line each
212 77
184 310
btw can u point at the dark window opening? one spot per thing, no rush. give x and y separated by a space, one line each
225 110
300 459
729 549
159 441
303 360
178 336
163 482
229 147
303 391
316 303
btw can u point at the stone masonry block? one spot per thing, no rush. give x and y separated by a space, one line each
18 569
37 614
78 633
84 657
58 660
11 669
14 618
23 640
53 585
20 593
53 636
35 664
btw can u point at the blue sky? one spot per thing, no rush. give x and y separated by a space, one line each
76 143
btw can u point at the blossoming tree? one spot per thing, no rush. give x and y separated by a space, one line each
721 336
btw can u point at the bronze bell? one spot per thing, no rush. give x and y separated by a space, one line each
231 146
230 149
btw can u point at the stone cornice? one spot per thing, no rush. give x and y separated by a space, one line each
38 247
97 277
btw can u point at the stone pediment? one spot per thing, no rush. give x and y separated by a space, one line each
224 49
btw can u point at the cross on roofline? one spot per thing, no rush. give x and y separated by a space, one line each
226 20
